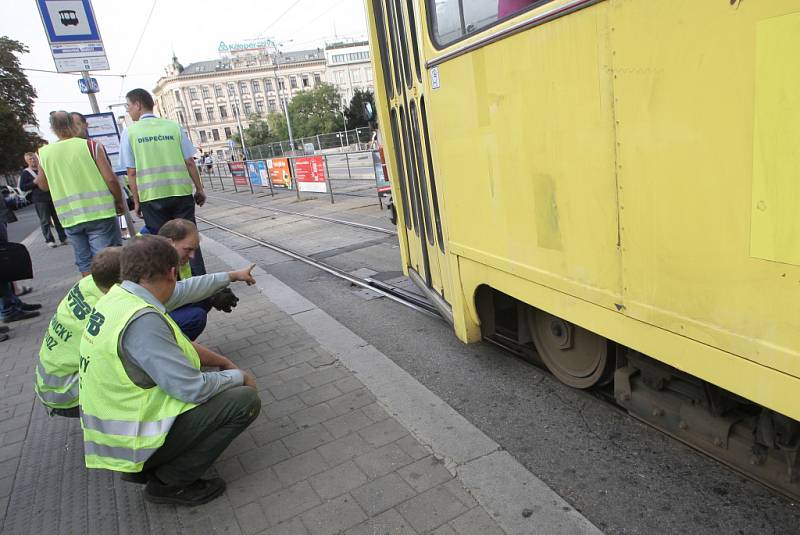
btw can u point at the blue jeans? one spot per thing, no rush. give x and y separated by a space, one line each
9 302
88 239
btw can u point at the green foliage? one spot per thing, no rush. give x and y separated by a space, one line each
16 108
355 110
316 112
262 131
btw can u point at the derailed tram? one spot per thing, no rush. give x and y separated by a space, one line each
612 183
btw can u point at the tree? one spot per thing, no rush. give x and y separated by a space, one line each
16 108
355 110
316 111
262 131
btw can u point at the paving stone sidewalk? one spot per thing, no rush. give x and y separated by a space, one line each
323 457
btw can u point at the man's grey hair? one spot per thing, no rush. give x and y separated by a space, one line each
61 124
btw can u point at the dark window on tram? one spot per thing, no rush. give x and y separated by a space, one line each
398 84
412 23
423 181
413 189
431 175
401 31
453 20
380 29
401 179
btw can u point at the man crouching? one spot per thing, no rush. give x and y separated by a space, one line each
146 407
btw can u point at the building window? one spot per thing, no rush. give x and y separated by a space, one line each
281 83
293 82
177 96
248 109
243 88
227 132
256 86
218 91
197 115
369 74
356 75
181 118
206 93
203 137
340 77
215 134
210 112
305 80
260 106
223 112
220 155
271 105
231 89
193 93
268 85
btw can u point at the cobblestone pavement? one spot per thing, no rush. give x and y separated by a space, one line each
323 457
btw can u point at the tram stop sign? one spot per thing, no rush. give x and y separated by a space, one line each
88 85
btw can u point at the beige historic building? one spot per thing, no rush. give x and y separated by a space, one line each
208 97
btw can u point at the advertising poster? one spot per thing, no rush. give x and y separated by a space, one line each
103 128
263 173
280 172
252 172
310 174
238 172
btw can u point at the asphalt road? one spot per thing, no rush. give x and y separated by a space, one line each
27 223
624 476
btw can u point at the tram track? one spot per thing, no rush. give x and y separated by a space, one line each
353 224
603 394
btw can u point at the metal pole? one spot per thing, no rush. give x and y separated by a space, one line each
319 145
328 178
241 130
125 212
375 174
294 177
347 160
269 181
92 98
219 174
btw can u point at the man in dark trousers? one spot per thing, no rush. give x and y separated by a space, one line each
42 201
161 169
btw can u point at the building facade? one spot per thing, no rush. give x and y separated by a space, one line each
211 98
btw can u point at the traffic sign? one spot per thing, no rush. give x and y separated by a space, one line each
88 85
73 35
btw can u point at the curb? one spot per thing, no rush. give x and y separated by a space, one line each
516 499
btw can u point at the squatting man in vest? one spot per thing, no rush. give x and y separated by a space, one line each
57 370
161 169
147 409
192 318
86 193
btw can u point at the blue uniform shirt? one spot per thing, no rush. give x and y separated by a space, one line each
127 158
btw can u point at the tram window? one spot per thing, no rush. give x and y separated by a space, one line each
431 175
423 182
380 30
401 31
412 23
413 185
401 180
395 48
452 20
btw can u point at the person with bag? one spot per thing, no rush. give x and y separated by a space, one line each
15 264
85 190
42 202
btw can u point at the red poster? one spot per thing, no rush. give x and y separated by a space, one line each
239 173
310 173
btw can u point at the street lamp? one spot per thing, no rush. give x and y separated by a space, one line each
239 124
269 43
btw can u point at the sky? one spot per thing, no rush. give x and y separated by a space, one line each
190 29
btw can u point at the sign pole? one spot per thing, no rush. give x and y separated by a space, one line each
92 98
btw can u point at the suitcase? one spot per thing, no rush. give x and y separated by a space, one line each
15 262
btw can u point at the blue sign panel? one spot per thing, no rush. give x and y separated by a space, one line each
88 85
252 170
69 21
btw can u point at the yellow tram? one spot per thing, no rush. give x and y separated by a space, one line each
617 184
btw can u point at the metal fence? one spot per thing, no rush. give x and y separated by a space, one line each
349 140
351 173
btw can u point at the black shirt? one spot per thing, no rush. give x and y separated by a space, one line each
26 184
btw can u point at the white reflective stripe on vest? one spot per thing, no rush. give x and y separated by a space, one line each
56 381
162 169
88 210
125 427
165 182
82 196
56 397
115 452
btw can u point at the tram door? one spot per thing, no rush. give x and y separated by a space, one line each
421 220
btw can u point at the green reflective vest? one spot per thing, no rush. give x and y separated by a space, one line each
160 167
185 271
57 369
123 424
79 192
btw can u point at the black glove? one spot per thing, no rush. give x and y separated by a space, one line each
224 300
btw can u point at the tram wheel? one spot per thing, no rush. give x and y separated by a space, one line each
577 357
